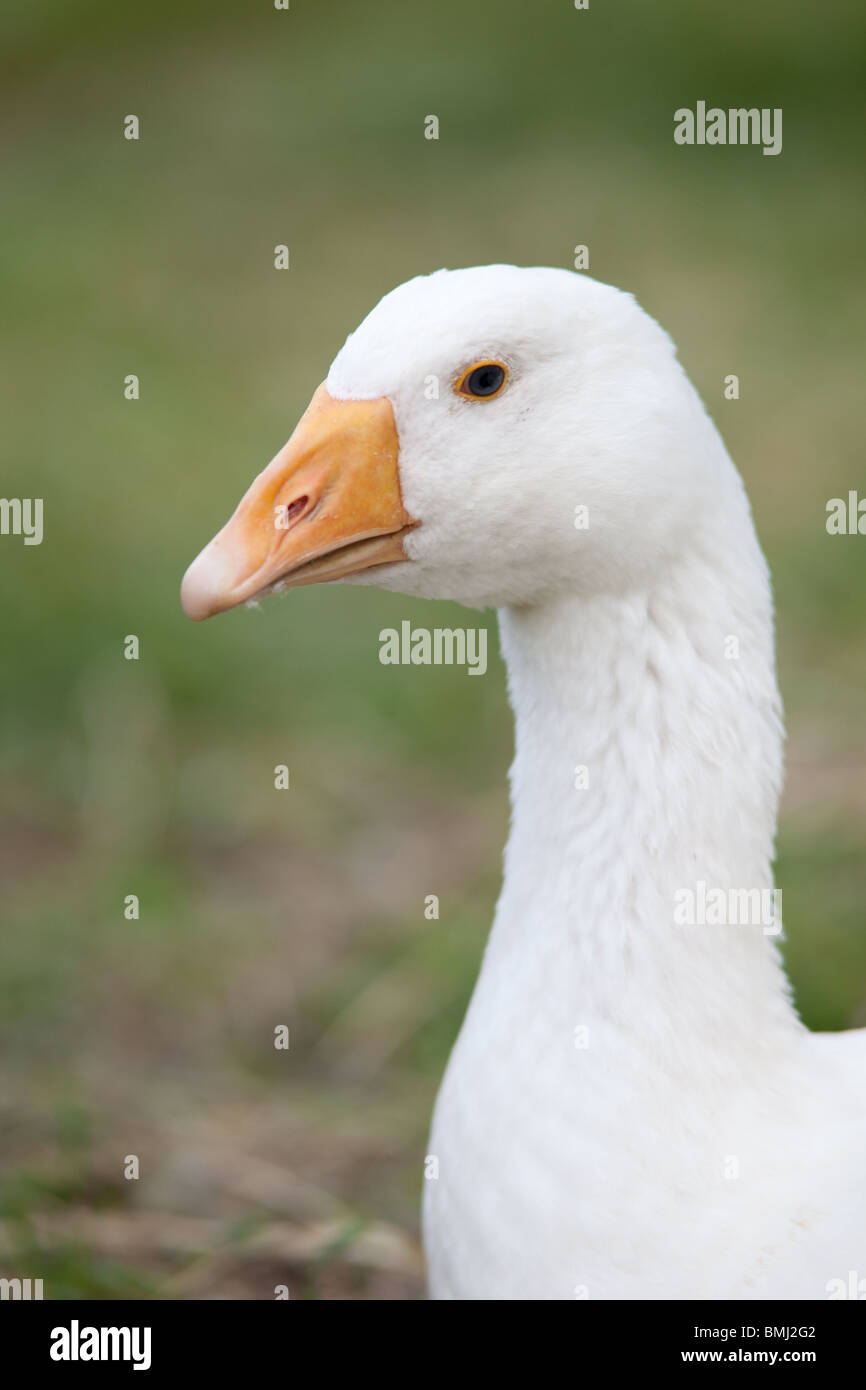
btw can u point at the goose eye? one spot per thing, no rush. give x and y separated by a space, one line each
484 380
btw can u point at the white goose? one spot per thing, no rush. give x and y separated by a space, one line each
632 1108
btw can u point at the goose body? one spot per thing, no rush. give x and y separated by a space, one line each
633 1108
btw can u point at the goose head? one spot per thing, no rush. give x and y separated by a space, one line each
492 435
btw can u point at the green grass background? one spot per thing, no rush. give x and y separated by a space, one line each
258 127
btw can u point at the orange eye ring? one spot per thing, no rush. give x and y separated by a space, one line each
483 381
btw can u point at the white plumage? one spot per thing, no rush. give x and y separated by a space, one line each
632 1108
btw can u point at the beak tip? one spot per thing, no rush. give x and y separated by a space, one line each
199 595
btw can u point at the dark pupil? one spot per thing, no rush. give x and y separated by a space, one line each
485 380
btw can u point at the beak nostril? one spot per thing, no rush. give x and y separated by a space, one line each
289 512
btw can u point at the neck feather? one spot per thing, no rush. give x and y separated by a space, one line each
668 699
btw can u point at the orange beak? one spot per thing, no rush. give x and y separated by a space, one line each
327 506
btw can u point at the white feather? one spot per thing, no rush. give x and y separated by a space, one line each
702 1144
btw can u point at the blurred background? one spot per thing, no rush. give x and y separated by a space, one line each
154 1037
